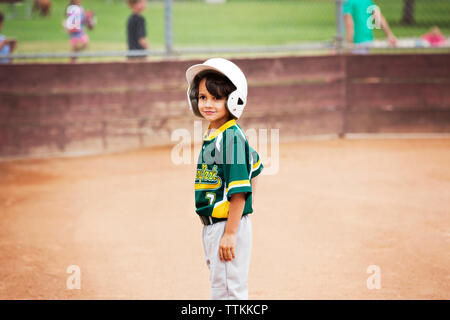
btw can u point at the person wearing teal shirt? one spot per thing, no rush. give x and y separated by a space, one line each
361 17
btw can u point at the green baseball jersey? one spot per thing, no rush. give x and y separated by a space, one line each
361 12
226 165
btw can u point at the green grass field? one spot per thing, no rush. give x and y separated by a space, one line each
197 24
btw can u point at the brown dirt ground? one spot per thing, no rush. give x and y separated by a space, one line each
127 220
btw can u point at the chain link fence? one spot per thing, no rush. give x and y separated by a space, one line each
240 27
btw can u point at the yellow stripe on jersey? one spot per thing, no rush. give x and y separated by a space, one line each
238 182
207 186
221 211
224 127
256 165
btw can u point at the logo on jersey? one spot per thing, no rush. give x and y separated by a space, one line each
207 179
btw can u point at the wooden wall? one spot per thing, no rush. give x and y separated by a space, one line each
58 109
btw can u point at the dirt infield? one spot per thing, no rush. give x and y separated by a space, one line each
335 208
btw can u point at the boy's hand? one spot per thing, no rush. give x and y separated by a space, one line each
226 247
392 40
228 241
12 44
143 42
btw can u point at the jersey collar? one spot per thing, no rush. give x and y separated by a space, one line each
224 127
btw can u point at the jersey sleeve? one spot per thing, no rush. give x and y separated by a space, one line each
236 164
257 165
347 7
83 17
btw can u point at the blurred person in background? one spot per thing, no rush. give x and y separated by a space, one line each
42 7
361 17
136 30
434 37
7 46
75 24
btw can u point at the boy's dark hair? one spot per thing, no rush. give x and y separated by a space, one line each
216 83
2 17
132 2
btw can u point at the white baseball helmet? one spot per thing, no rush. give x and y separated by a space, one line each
236 100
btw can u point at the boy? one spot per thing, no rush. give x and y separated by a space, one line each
6 45
136 33
358 16
225 178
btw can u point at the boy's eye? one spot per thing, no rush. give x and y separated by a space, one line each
203 97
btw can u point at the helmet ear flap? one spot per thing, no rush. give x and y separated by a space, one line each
235 104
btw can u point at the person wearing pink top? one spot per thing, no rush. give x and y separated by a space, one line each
434 37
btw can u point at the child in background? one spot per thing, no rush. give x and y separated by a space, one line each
136 31
74 24
6 45
42 7
434 37
359 15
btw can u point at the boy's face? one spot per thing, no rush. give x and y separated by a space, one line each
140 6
211 108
